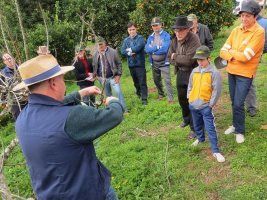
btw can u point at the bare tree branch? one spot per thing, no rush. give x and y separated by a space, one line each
3 34
22 30
46 28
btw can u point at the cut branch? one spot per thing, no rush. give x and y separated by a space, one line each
46 28
22 30
3 34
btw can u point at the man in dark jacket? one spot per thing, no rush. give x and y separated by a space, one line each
202 31
56 134
133 47
108 69
181 52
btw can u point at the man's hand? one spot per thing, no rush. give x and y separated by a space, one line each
93 90
172 56
108 99
117 79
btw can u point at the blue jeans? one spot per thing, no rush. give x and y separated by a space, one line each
204 118
238 87
110 86
111 195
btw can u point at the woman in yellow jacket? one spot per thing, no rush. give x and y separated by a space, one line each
242 50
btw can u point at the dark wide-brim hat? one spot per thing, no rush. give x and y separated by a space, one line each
220 63
182 22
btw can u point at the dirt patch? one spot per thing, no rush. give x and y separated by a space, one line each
155 132
152 90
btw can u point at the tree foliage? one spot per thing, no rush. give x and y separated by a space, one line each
214 13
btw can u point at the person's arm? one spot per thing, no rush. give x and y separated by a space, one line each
224 52
148 47
123 48
118 63
255 44
171 51
74 98
166 41
208 38
216 88
186 60
140 44
189 87
85 123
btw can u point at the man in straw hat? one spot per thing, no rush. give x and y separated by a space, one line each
181 52
242 50
56 134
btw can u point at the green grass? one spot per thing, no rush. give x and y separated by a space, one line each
151 158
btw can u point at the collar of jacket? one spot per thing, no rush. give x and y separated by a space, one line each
251 29
209 68
159 32
44 100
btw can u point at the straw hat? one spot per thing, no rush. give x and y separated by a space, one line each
43 50
38 69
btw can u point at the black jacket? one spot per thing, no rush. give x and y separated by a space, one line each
80 73
205 36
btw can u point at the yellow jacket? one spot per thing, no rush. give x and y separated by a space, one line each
204 88
243 50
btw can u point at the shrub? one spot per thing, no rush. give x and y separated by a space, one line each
214 13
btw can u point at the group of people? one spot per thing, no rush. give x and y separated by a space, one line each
56 132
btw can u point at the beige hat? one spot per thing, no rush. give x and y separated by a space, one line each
192 17
38 69
43 50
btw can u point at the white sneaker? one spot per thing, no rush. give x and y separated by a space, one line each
195 143
230 130
240 138
219 157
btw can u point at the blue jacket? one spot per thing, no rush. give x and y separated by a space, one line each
62 166
137 45
150 49
263 23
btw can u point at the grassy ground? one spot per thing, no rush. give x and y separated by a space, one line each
151 158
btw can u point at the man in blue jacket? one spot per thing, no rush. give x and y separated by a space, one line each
56 134
157 47
133 47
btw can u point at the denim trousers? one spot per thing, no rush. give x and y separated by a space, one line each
112 86
204 118
111 195
238 87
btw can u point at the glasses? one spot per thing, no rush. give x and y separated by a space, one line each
155 25
180 30
7 59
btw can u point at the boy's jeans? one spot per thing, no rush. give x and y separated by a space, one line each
204 118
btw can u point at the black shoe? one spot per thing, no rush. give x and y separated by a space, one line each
144 102
183 124
252 113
